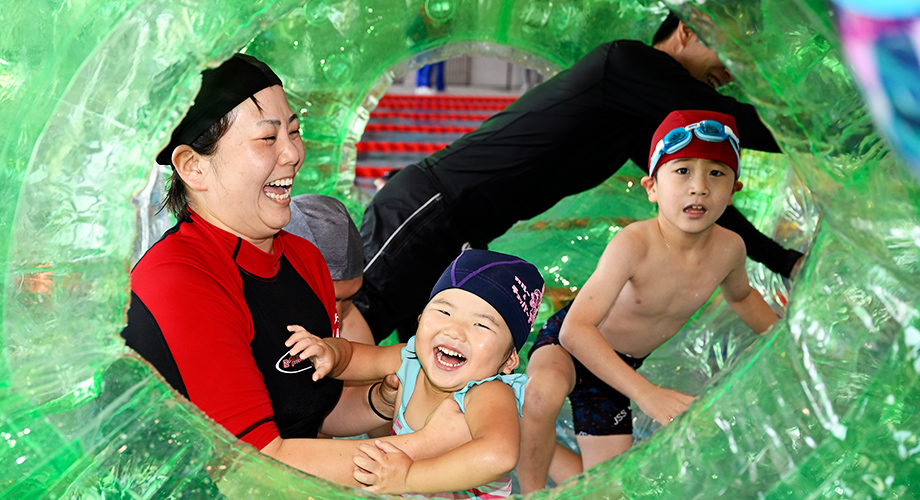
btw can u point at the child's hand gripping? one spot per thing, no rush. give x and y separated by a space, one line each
664 405
304 344
383 468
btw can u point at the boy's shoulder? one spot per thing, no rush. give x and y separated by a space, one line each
726 238
637 240
729 244
637 233
630 245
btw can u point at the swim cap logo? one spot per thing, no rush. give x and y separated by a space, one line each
529 300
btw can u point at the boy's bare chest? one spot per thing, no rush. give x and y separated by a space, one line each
654 306
674 290
669 292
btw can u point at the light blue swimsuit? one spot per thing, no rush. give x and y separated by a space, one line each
408 376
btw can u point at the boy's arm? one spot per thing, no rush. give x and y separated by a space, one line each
580 336
492 417
355 328
745 301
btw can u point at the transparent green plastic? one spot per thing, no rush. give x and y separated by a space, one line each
825 405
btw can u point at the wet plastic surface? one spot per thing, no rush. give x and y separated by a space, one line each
824 405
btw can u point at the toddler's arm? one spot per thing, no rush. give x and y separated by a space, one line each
492 417
581 337
341 359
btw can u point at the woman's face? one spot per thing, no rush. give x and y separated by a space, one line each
247 181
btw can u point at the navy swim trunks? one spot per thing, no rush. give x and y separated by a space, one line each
597 408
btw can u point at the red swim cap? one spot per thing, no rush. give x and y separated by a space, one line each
716 142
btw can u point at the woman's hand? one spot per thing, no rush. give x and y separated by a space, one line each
388 389
383 468
304 345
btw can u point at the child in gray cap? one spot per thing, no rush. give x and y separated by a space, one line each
324 221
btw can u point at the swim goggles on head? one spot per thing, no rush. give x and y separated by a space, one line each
677 139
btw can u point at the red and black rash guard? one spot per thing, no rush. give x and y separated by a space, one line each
210 311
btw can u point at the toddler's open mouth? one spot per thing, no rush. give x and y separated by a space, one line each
449 357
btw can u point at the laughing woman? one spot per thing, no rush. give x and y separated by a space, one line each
211 301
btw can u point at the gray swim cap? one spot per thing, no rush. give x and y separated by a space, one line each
324 221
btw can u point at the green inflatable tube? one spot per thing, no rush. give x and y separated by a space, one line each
823 405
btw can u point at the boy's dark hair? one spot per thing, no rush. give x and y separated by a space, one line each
668 26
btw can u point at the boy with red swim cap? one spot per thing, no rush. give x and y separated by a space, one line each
652 277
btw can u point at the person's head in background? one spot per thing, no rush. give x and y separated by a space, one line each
324 221
677 39
236 152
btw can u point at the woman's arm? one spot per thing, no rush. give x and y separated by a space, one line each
760 247
354 415
333 459
200 316
492 417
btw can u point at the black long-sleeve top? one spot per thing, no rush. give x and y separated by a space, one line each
574 131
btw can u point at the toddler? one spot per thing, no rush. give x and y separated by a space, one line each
463 355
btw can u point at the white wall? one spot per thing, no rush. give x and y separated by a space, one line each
494 72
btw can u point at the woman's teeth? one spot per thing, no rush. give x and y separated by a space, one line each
279 197
280 189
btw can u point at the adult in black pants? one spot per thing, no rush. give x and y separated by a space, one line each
563 137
